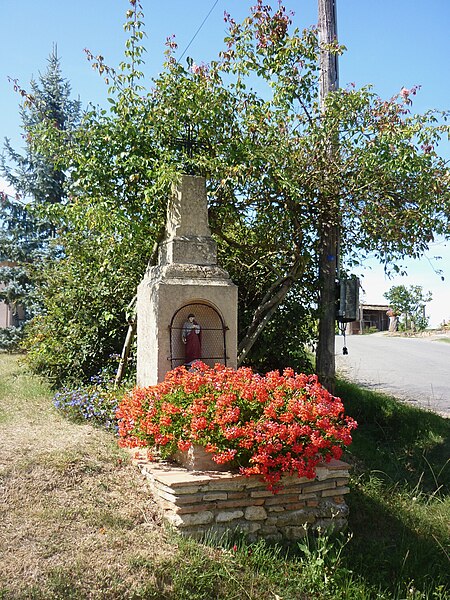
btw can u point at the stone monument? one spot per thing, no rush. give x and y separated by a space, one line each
186 304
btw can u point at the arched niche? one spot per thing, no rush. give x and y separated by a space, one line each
213 334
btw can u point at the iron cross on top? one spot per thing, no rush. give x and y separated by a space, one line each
189 145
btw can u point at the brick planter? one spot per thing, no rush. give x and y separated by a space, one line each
200 502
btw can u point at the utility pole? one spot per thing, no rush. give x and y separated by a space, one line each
329 217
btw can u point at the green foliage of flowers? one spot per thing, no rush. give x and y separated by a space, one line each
266 425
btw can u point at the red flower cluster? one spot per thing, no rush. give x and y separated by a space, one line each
272 425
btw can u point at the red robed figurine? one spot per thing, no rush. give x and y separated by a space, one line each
191 337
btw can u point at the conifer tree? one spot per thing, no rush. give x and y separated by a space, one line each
25 235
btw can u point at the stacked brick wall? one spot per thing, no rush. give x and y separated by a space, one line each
201 502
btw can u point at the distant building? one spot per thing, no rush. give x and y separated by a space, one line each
371 317
10 316
6 313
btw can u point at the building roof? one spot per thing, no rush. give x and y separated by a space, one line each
375 306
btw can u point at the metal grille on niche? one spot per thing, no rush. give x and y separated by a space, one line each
197 332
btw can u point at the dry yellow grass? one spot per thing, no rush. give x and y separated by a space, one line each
76 520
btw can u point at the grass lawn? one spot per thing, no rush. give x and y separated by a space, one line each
78 522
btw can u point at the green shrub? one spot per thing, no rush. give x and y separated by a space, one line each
11 338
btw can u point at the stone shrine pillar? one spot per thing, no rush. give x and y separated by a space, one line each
186 304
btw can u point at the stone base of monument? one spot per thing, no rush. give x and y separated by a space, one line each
199 503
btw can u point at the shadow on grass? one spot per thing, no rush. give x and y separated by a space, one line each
400 485
387 552
410 446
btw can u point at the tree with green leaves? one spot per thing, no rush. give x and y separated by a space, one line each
107 228
270 179
26 226
410 303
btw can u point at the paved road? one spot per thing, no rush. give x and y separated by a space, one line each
413 369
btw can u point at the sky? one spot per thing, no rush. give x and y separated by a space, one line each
390 44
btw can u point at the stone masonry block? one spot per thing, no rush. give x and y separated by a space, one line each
235 503
165 496
328 509
226 485
254 483
297 505
189 508
336 492
180 490
275 536
200 503
229 515
272 520
294 489
237 495
317 487
211 496
248 527
295 517
281 500
268 529
312 503
308 496
342 481
261 494
201 518
255 513
294 480
323 473
182 499
335 468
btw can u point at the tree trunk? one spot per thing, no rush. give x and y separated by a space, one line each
271 301
329 218
325 353
131 332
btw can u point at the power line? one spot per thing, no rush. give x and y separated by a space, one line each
198 30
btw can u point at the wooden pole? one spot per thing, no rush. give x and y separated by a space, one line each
131 332
330 217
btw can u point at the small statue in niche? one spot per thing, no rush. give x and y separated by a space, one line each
191 336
